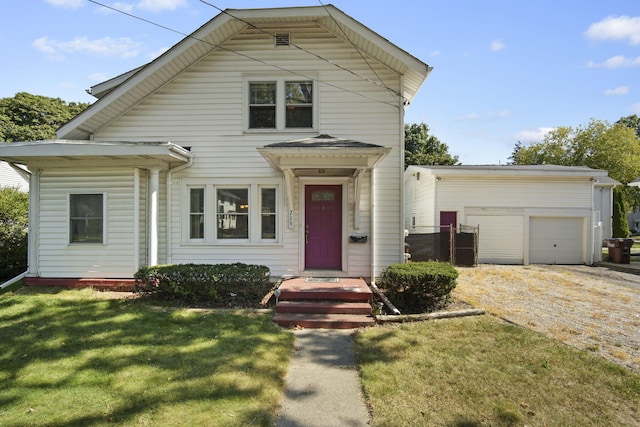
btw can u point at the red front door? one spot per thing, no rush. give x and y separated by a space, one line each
323 227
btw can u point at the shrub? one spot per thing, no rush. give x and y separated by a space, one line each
620 224
14 216
418 286
222 285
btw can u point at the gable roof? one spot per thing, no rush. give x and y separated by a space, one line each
126 91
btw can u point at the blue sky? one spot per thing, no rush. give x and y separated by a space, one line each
504 71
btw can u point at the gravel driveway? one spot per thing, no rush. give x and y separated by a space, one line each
591 308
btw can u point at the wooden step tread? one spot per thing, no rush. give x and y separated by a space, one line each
336 307
323 321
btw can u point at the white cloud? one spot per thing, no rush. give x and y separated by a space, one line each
497 46
157 53
124 7
534 135
618 61
470 117
71 4
616 28
122 47
435 53
620 90
99 77
160 5
499 114
488 115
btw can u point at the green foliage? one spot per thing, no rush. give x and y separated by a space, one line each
598 145
222 285
620 224
27 117
14 216
632 122
418 286
420 148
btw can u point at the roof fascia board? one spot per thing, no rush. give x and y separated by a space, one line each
372 36
141 74
509 171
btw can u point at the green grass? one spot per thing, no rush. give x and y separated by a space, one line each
481 371
74 358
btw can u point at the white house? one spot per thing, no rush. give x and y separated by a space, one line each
542 214
14 176
268 136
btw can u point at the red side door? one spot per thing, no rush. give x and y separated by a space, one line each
323 227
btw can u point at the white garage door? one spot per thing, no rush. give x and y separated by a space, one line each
554 240
501 238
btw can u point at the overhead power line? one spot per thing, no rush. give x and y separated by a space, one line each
379 83
278 67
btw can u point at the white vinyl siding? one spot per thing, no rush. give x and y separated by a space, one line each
204 109
115 258
521 216
556 240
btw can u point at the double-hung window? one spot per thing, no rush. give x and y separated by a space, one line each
196 213
281 103
232 218
223 213
86 218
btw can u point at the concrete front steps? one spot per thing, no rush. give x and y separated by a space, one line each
326 303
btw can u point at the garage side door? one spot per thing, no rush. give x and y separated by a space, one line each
501 238
554 240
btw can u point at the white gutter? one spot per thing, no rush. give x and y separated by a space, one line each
170 173
14 280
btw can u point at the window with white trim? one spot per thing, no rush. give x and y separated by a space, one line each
232 217
86 218
232 213
281 103
196 213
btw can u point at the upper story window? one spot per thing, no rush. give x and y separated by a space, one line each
299 104
281 104
262 105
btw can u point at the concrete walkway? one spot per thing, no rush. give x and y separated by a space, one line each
322 385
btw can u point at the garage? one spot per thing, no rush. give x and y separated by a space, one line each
556 240
500 238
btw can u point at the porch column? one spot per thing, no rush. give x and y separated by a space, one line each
34 226
154 186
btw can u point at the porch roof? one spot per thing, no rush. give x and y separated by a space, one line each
69 150
323 152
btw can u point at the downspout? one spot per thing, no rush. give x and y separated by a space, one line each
169 183
14 280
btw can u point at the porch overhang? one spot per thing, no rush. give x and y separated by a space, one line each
158 154
324 156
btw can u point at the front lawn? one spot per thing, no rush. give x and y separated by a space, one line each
76 358
482 371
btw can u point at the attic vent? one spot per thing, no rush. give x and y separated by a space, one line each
282 39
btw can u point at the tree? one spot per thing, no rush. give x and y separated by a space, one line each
620 224
27 117
420 148
598 145
632 122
